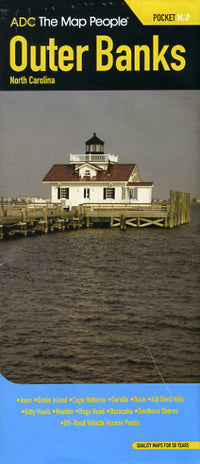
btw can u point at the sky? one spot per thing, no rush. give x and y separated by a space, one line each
157 130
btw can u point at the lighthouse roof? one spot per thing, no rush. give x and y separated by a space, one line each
94 140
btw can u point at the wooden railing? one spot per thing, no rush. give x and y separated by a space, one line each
125 206
8 209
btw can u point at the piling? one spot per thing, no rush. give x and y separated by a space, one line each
184 208
122 222
172 209
187 207
178 196
61 212
45 220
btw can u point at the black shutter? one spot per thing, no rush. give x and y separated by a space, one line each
67 193
113 195
136 193
104 193
58 193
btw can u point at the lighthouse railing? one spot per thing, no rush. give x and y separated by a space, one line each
93 157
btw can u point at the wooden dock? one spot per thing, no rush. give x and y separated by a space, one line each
31 219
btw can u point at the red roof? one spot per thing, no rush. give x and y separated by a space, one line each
67 173
140 184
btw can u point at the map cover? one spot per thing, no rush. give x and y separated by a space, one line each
99 231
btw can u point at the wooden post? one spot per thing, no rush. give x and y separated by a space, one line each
44 214
2 204
172 209
123 222
178 196
5 211
24 221
62 226
111 221
1 232
187 207
177 208
24 214
45 219
182 207
61 212
138 222
87 221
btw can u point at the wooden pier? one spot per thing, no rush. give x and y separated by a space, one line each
31 219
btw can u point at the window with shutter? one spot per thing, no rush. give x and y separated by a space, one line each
64 193
109 193
86 193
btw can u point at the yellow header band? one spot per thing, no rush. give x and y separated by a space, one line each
166 13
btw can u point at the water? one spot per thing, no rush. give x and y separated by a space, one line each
101 306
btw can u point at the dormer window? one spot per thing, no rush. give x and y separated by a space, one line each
87 170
